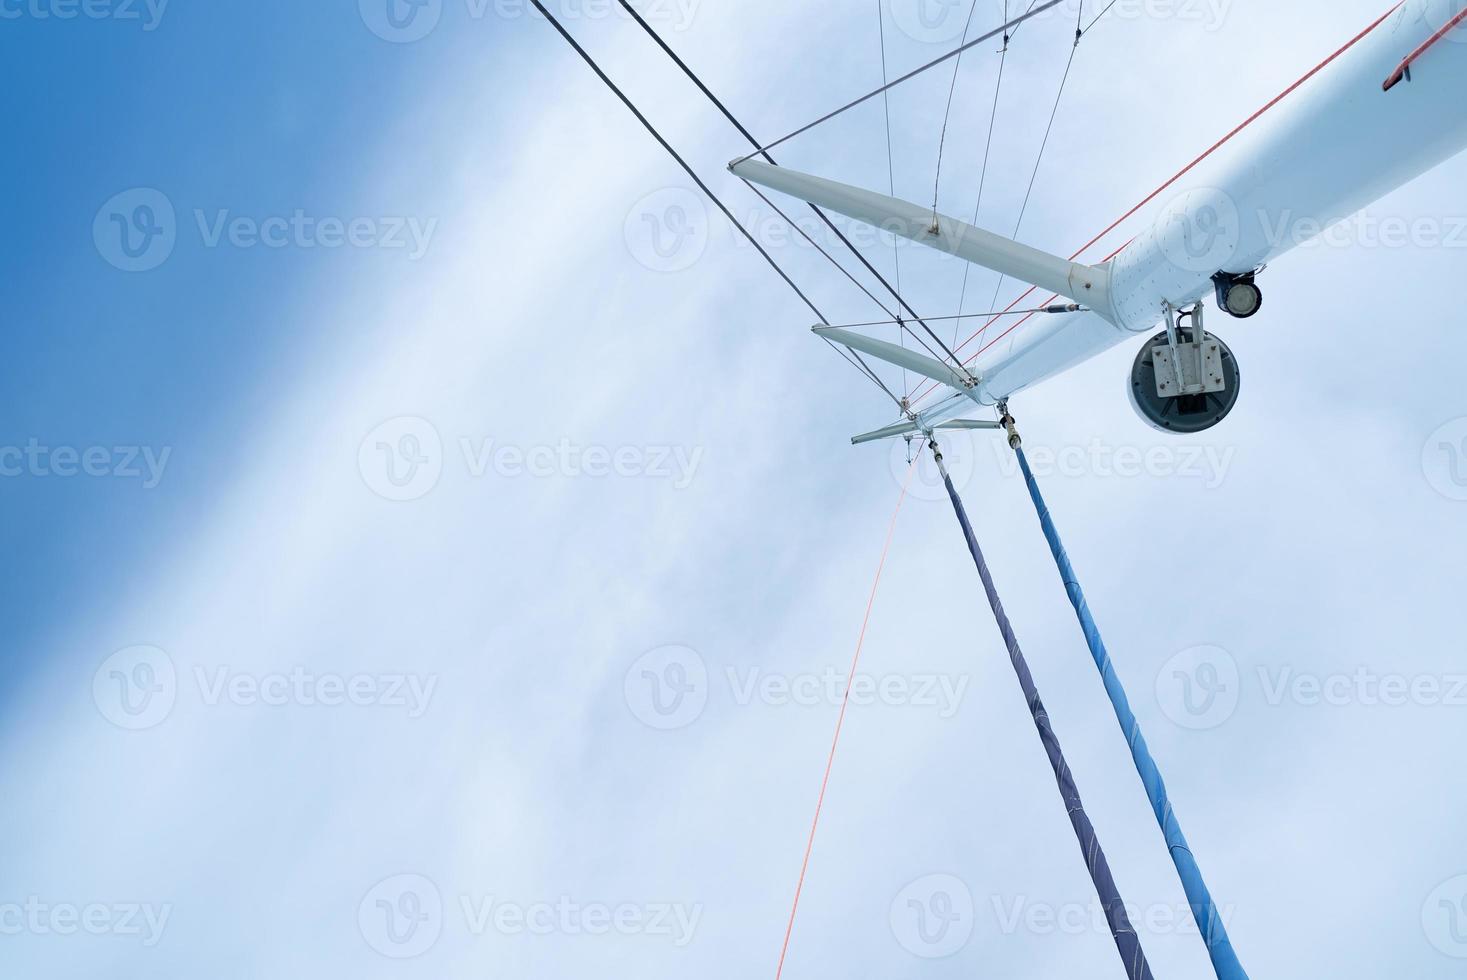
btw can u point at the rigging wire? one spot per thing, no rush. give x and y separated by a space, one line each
1003 58
718 103
852 356
896 319
1039 160
821 249
1098 16
988 147
1033 12
948 112
1066 308
896 250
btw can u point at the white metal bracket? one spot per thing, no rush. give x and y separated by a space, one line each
1188 367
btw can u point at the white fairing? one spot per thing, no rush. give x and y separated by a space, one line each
1041 348
1329 148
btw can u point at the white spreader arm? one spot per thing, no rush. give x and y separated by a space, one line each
911 428
1085 284
927 367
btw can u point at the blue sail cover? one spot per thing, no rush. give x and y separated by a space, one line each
1127 942
1219 947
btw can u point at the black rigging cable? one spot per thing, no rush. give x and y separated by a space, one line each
897 320
820 248
646 124
1006 28
819 213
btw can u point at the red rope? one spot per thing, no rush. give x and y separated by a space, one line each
1163 188
841 719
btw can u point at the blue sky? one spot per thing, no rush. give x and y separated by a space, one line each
427 506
